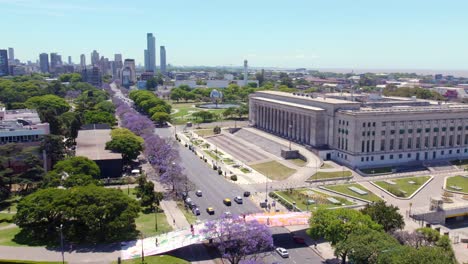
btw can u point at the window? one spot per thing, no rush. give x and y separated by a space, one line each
466 150
346 131
391 156
372 158
392 132
452 128
434 141
368 124
367 158
436 129
444 129
382 144
419 130
409 155
368 133
400 156
400 143
426 142
347 123
363 133
418 142
339 122
450 152
382 132
346 145
466 127
410 143
373 124
466 139
428 130
363 124
362 159
410 131
362 146
372 145
460 128
368 146
451 140
385 123
373 133
442 141
392 141
402 131
458 140
458 151
393 123
442 152
382 157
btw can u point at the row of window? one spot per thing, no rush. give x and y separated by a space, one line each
368 145
409 155
9 139
343 143
343 122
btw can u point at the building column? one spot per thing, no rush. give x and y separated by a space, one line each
270 121
276 120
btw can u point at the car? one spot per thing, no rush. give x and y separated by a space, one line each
196 211
210 210
282 252
199 193
188 200
238 199
227 202
246 194
299 239
227 214
192 205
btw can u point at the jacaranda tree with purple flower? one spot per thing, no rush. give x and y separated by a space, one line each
238 240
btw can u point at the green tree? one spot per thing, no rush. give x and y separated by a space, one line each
90 213
78 165
410 255
48 102
99 117
229 112
217 130
145 191
385 215
125 142
70 124
177 94
336 225
365 245
204 115
105 106
161 117
54 148
151 84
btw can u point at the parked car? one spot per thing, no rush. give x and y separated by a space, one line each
282 252
227 214
188 200
227 201
210 210
299 239
192 205
199 193
246 194
238 199
184 195
196 211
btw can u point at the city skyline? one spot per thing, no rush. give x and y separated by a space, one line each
396 35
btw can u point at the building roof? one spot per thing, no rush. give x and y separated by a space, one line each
92 144
326 100
401 110
289 104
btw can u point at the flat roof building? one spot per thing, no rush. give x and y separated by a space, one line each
374 132
91 143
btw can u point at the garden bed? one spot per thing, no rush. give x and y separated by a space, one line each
273 170
457 181
344 189
403 187
302 196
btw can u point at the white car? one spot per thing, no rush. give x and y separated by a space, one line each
282 252
199 193
238 199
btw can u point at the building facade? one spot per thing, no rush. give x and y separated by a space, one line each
388 131
162 55
4 69
44 62
150 53
82 61
94 58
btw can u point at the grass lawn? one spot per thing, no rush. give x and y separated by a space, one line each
458 181
11 261
185 110
6 216
204 132
377 170
370 196
228 161
191 218
211 154
274 170
245 170
300 196
326 166
297 162
402 187
330 175
161 259
7 235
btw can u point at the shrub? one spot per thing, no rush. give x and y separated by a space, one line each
206 160
215 167
233 177
220 172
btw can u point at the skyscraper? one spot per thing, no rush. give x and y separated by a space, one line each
162 55
11 54
146 60
118 64
83 61
3 62
94 58
44 62
69 60
55 61
246 73
151 52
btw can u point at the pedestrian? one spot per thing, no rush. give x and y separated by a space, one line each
315 244
156 241
173 221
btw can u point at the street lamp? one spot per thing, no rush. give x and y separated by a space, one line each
61 242
290 137
142 252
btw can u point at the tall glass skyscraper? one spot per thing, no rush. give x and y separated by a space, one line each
162 54
150 53
3 62
44 62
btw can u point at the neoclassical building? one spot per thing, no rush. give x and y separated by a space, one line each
372 132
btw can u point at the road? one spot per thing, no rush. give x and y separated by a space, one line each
214 187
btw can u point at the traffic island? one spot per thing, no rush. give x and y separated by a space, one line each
402 187
305 199
458 184
355 191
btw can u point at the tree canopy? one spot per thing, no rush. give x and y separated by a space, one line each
385 215
125 142
78 165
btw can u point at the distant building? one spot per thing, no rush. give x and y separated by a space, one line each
11 54
150 52
94 58
82 61
17 70
128 73
92 76
55 61
44 62
91 143
4 69
162 54
146 76
70 60
118 65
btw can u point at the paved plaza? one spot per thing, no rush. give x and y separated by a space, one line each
238 149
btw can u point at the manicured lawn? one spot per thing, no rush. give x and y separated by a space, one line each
185 111
458 181
162 259
245 170
402 187
300 196
228 161
370 196
211 154
6 216
298 162
330 175
377 170
7 235
204 132
191 218
274 170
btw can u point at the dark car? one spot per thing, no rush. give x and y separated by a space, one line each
246 194
299 239
184 195
196 211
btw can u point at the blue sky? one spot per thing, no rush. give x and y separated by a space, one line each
392 34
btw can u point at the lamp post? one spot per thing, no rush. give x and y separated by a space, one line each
142 251
61 242
290 132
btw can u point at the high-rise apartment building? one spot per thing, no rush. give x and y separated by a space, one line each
118 64
128 74
4 63
70 60
150 52
11 54
94 58
55 61
162 55
83 61
44 62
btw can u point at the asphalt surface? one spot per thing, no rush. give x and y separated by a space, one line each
215 188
